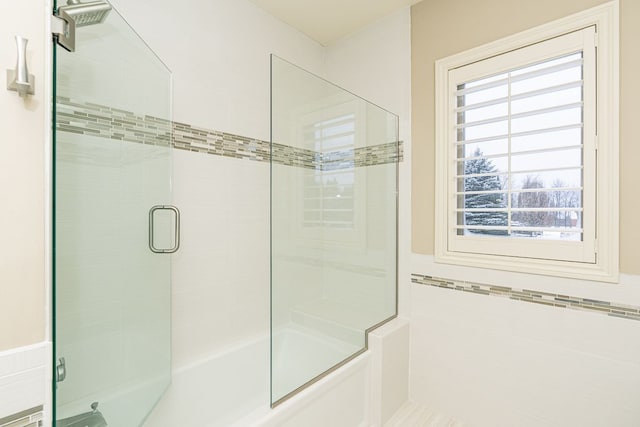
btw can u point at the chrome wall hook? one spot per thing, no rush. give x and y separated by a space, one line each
20 80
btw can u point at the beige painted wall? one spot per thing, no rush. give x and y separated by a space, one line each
444 27
22 132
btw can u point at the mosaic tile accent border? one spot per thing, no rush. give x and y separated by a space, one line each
298 157
527 295
363 156
190 138
112 123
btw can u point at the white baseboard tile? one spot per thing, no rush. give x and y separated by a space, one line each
23 379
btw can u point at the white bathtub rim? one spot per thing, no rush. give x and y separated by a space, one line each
267 416
262 415
235 347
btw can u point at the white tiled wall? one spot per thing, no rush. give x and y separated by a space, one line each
359 63
375 63
221 273
90 74
389 346
110 317
492 361
219 53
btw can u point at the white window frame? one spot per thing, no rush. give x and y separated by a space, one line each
597 258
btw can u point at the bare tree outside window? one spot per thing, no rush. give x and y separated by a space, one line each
533 200
564 199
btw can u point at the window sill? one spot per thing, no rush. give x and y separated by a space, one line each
602 271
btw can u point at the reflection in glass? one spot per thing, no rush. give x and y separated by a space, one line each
333 218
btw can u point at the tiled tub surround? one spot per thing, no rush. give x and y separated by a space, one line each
201 183
527 295
112 123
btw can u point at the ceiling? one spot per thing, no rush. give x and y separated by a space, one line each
328 20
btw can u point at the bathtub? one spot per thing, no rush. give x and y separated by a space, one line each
232 388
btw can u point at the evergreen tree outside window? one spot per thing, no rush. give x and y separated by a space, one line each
481 207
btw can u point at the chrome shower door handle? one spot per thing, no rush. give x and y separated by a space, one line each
176 229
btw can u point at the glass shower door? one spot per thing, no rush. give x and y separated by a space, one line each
112 165
334 168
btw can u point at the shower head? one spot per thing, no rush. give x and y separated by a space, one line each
89 13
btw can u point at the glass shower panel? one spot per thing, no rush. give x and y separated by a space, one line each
333 217
112 165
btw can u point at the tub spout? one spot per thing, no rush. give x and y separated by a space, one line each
94 418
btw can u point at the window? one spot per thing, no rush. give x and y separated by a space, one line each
527 150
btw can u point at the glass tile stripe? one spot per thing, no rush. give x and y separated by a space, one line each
112 123
608 308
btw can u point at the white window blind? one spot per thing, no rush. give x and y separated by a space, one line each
507 183
522 147
329 191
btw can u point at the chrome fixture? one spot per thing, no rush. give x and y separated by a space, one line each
93 418
61 370
89 13
74 15
20 80
176 229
